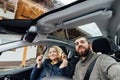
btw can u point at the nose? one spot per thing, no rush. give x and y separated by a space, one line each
79 44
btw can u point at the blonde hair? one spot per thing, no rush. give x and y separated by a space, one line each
58 49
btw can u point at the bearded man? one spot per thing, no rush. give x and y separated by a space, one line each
105 67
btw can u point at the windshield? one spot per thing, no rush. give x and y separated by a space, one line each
15 9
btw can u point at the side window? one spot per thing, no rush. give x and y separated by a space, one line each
20 57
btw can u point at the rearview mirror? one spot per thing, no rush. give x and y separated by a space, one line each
31 34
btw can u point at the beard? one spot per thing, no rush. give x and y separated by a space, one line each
84 53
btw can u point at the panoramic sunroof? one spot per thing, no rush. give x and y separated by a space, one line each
91 29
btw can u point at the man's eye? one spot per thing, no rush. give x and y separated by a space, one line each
82 41
49 52
76 43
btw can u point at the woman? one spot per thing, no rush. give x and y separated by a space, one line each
56 64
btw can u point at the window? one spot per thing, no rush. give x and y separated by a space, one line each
5 38
90 30
18 58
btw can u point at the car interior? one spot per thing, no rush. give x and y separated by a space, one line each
60 26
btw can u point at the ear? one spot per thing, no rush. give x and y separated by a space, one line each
91 47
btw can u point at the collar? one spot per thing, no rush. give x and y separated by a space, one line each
87 58
48 62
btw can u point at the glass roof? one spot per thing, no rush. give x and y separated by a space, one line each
90 30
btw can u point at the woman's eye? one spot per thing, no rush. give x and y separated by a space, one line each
52 52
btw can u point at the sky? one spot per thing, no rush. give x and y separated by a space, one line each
67 1
92 29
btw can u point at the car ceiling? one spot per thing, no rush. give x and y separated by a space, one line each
105 13
75 15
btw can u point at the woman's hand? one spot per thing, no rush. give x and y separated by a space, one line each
64 61
39 61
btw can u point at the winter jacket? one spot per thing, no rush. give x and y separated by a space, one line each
47 69
105 68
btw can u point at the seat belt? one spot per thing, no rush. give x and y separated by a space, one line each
89 70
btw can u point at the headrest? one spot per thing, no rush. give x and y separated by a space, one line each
64 49
101 45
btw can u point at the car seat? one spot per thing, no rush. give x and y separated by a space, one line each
64 49
103 45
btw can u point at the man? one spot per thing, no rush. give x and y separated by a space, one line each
105 68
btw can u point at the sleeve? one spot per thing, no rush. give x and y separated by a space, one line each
114 72
69 70
66 71
35 73
72 64
110 67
